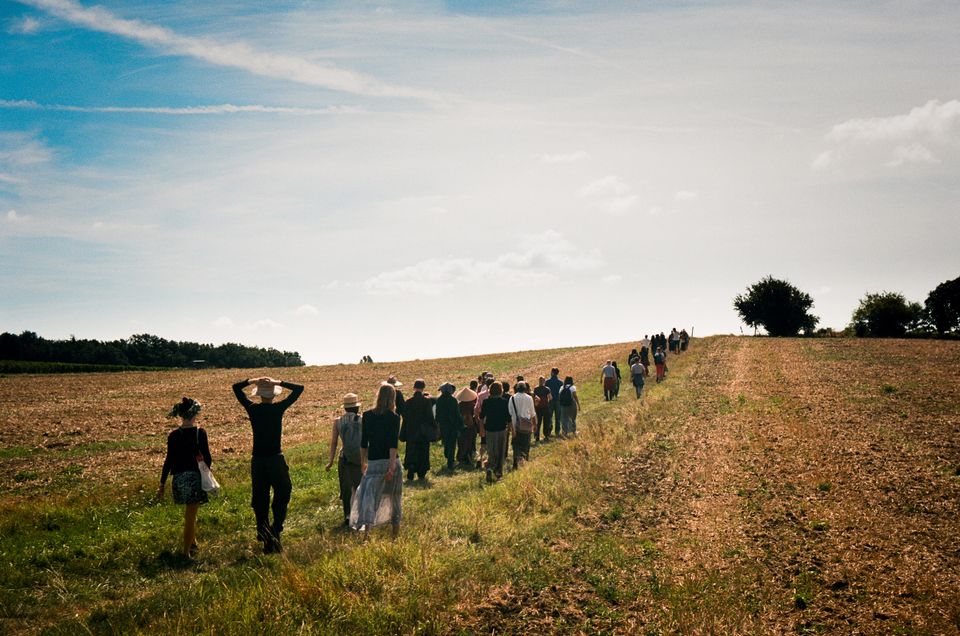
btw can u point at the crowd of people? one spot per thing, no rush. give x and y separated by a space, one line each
477 425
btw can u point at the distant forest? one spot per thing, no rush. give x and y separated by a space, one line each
142 350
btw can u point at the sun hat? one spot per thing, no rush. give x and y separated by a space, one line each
265 389
419 384
466 394
447 387
394 381
350 399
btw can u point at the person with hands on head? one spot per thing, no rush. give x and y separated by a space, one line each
268 468
349 467
186 446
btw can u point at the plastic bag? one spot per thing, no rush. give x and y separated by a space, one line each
208 482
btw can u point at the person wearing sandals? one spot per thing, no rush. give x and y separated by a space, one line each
379 497
348 429
268 468
186 445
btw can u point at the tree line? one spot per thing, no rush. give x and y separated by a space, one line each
143 350
782 309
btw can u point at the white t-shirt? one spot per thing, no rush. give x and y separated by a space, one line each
521 405
609 371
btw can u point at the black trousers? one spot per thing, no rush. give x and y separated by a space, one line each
268 473
544 422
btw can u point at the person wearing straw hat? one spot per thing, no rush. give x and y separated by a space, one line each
268 468
449 421
348 429
467 444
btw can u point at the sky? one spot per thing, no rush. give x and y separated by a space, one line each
423 179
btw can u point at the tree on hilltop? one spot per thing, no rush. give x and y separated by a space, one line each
886 315
943 306
777 306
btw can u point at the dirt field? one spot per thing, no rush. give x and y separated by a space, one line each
770 486
783 486
56 428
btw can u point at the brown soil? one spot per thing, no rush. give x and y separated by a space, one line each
780 486
111 427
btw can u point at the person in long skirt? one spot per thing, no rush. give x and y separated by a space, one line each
186 445
467 444
379 498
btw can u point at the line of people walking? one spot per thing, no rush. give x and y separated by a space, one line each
365 446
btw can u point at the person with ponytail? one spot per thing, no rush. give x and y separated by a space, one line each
186 445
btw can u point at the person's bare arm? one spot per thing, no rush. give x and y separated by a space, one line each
334 441
393 464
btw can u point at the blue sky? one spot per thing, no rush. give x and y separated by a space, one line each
422 179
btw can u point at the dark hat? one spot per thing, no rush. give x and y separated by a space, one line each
419 384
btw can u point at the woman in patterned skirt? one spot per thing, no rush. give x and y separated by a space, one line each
186 445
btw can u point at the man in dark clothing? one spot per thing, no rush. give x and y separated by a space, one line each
418 430
496 416
554 383
450 422
268 468
396 384
543 402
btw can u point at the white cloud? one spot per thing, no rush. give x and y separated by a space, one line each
610 194
904 139
685 195
612 279
933 120
824 160
538 258
306 310
223 322
18 150
13 217
264 322
213 109
25 25
914 153
569 157
605 186
233 55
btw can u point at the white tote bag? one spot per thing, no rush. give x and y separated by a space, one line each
208 482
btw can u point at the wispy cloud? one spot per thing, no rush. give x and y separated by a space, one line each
611 194
25 25
306 310
13 217
914 153
225 322
569 157
232 55
686 195
213 109
540 258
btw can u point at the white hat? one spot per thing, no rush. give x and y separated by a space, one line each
276 388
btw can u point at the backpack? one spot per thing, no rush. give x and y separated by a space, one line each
350 433
566 396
